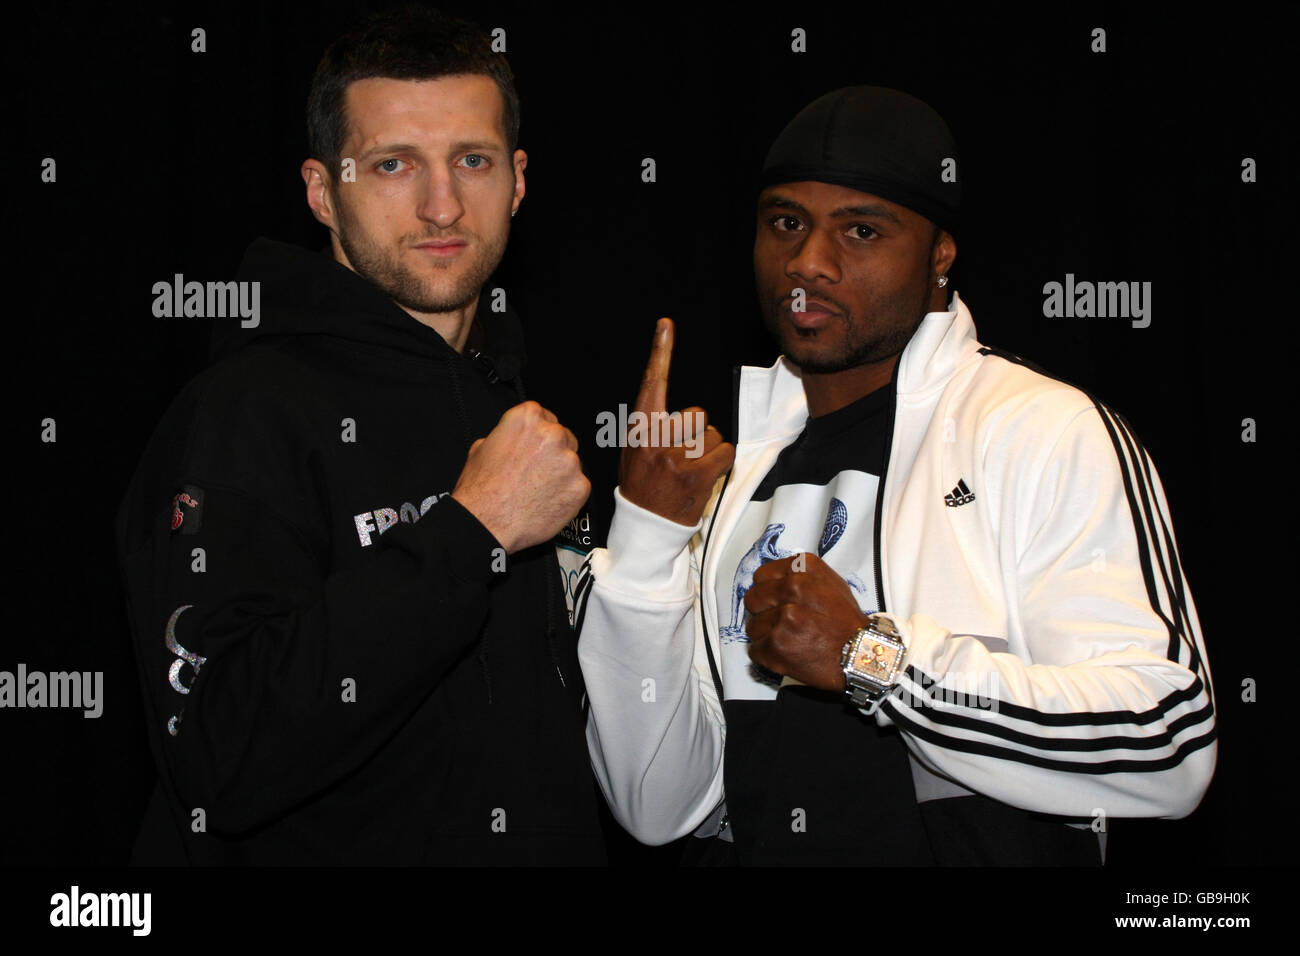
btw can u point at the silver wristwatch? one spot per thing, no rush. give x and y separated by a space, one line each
872 662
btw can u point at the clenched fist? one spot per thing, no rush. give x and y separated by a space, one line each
524 481
802 614
673 480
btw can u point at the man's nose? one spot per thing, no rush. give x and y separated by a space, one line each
815 258
440 201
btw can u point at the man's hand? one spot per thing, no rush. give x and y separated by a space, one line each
667 480
800 620
524 481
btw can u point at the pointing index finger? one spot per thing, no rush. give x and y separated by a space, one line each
653 396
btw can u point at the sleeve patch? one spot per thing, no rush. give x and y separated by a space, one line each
187 510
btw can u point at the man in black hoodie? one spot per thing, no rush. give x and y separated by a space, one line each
339 547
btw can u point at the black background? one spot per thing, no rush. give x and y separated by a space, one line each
1115 166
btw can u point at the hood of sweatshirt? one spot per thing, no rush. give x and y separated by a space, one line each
309 293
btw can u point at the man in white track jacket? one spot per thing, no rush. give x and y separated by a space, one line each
1008 528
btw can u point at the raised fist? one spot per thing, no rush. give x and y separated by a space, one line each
524 481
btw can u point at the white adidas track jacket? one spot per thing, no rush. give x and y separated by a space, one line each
1054 656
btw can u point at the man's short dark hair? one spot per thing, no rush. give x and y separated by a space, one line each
411 43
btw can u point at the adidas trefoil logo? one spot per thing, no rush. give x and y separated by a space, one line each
961 495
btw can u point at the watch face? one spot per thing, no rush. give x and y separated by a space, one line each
876 660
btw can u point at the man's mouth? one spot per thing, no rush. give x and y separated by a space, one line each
815 314
441 248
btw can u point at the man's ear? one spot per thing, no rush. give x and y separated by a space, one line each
316 178
943 250
520 162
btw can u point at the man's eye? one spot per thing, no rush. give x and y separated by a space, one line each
861 231
783 223
388 165
475 161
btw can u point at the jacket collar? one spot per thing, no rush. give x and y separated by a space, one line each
771 402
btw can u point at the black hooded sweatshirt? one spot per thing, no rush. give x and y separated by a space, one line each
338 662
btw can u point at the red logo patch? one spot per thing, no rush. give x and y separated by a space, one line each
187 510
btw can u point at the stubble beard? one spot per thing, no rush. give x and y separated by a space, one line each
383 266
896 319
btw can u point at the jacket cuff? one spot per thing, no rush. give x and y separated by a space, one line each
470 551
645 553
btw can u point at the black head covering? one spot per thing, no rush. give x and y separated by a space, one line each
875 140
